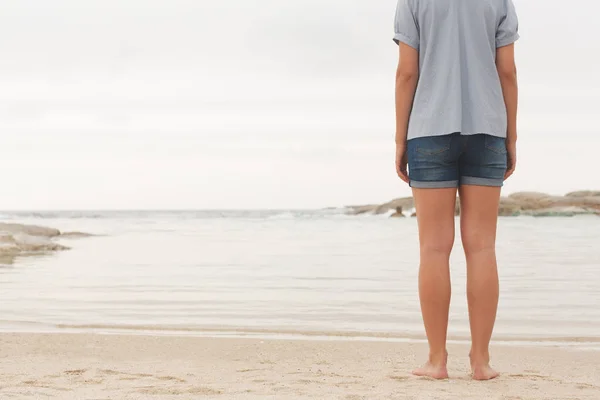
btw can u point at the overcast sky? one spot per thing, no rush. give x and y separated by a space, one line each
253 104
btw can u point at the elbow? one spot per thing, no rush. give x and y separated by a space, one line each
508 74
406 76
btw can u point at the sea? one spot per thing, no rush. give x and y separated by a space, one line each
305 274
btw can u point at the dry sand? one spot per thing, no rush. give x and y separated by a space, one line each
94 367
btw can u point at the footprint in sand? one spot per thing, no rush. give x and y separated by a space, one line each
130 376
165 391
354 397
109 372
171 378
75 372
44 385
530 376
584 386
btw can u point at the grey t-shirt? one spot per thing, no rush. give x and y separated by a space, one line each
459 88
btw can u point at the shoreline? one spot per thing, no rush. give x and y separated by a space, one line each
67 366
591 343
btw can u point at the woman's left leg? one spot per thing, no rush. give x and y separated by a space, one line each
479 217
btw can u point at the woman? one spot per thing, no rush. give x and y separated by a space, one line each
456 112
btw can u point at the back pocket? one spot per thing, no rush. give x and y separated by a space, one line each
433 145
495 144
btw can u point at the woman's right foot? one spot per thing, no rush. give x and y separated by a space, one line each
483 372
480 367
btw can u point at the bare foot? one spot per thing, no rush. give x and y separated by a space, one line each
432 371
484 373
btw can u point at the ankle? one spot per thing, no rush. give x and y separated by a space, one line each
438 358
479 358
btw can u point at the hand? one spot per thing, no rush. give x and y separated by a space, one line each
511 153
402 162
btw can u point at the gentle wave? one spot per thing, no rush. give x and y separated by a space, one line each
177 214
269 215
592 342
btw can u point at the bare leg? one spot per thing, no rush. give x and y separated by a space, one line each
435 215
479 218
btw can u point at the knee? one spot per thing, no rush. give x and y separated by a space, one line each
437 247
477 243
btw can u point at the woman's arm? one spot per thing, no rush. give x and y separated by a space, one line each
407 76
507 71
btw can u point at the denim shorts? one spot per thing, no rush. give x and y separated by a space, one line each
451 160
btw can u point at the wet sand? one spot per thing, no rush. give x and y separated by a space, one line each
88 366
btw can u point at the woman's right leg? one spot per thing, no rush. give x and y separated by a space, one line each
435 215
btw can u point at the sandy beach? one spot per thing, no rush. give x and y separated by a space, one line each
88 366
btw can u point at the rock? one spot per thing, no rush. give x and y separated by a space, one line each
23 243
357 210
584 193
75 235
29 230
21 240
538 201
8 245
28 243
583 202
403 203
509 207
6 259
559 212
533 200
413 214
527 196
509 210
398 213
521 203
509 200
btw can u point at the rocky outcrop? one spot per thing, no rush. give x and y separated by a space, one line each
18 240
584 193
32 230
521 203
405 203
558 212
509 207
24 243
530 201
358 210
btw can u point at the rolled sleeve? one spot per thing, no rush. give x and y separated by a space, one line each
508 28
406 28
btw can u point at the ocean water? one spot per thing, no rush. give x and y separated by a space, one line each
319 273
